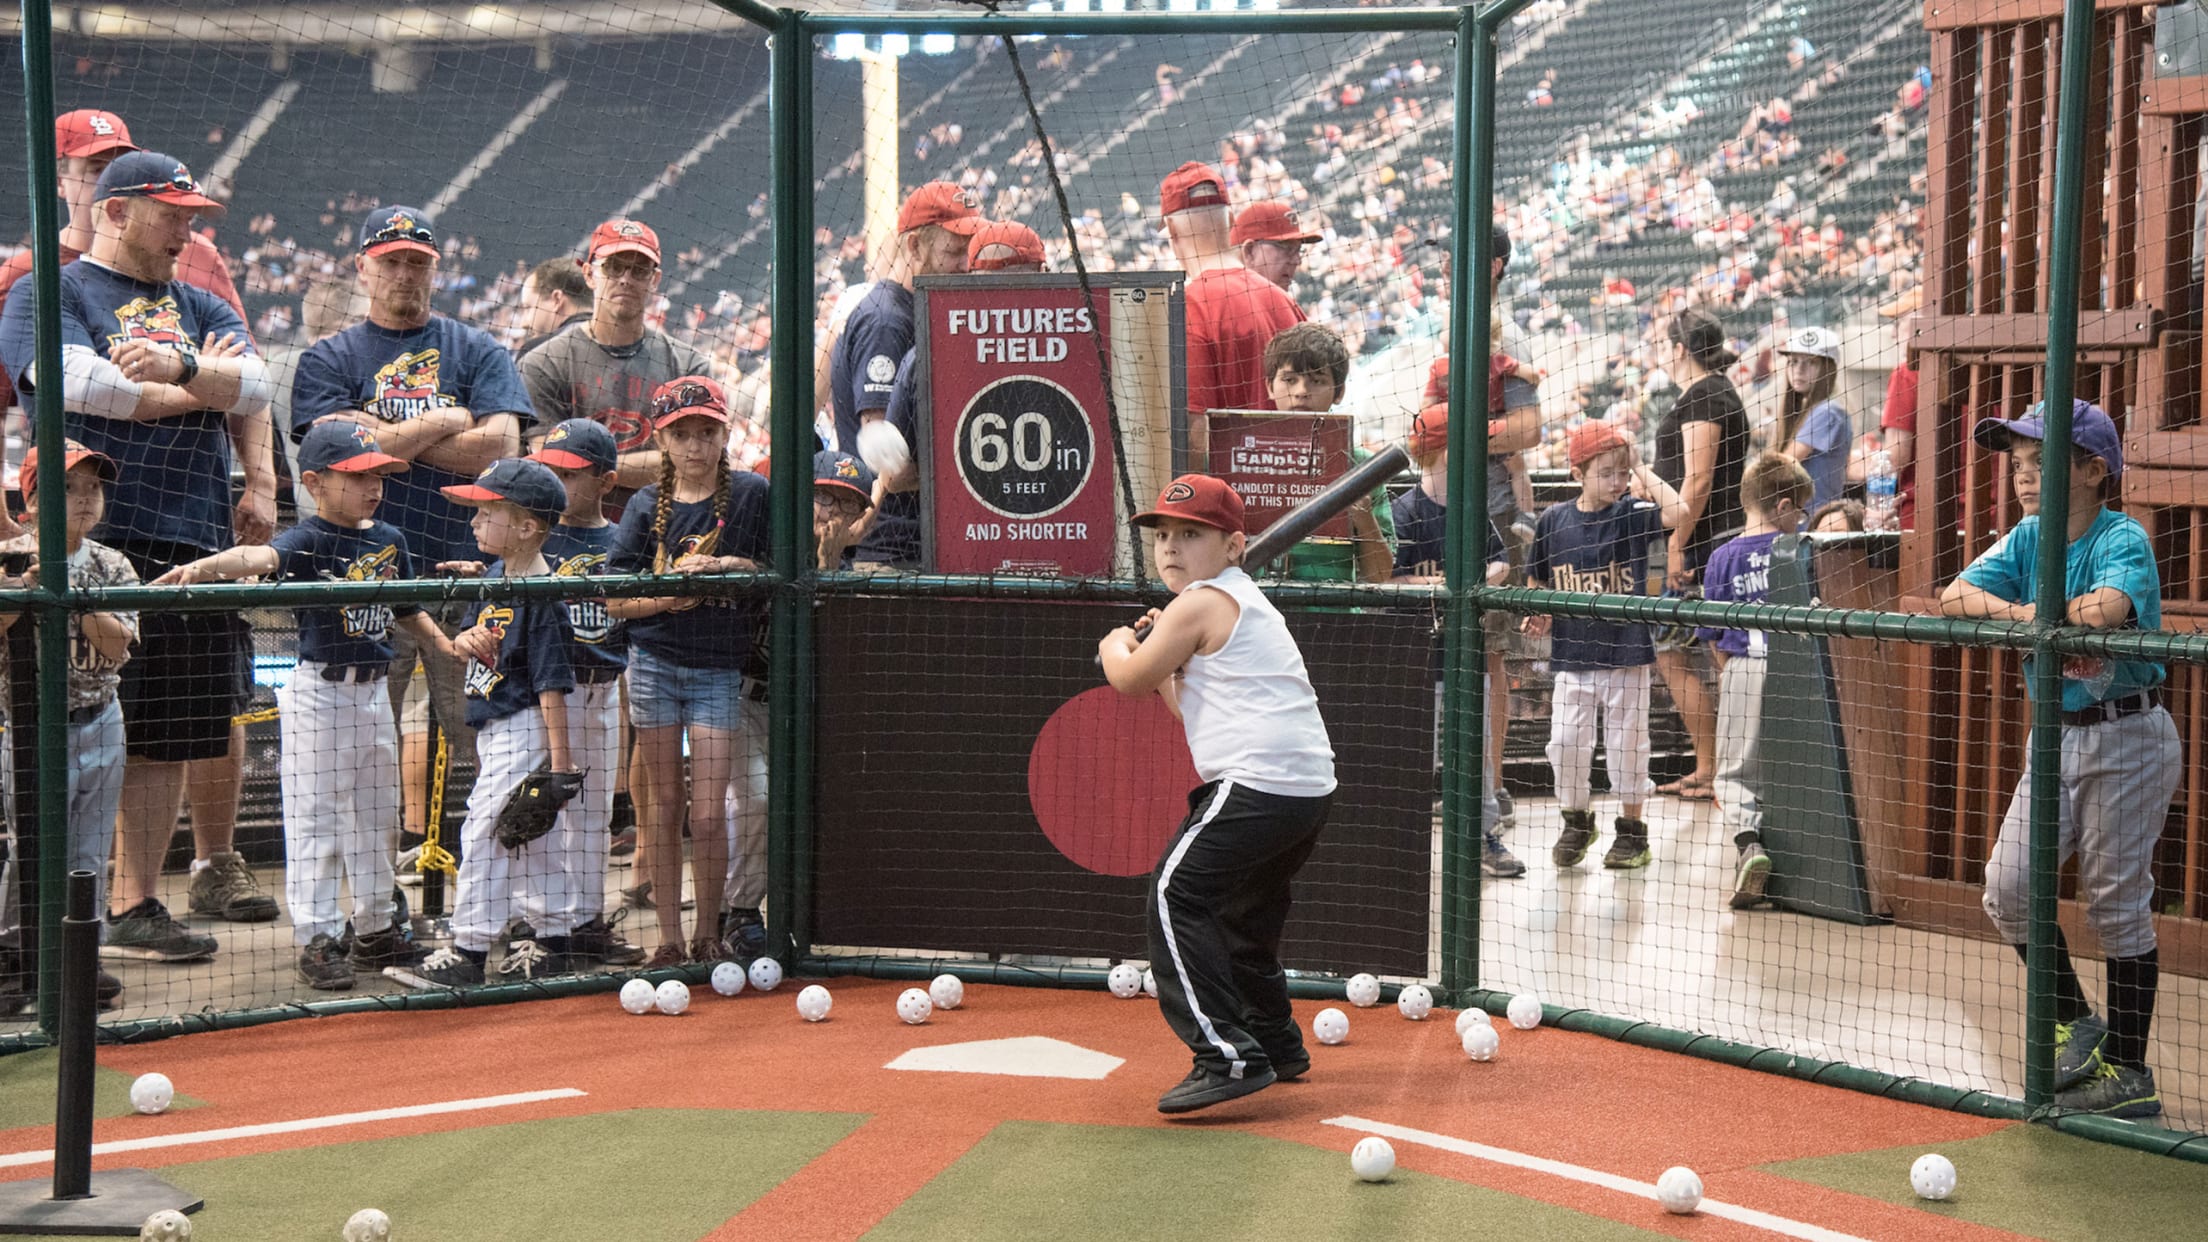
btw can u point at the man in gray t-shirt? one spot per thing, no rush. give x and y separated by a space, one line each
606 368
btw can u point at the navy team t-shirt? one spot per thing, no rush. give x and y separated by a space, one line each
317 551
894 539
172 474
863 369
716 633
1421 535
579 552
402 375
1605 553
533 656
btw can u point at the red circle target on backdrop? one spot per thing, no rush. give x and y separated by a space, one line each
1108 779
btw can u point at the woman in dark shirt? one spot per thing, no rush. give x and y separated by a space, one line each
1701 449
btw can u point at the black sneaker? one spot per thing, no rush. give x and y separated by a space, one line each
743 934
1204 1088
1578 836
226 889
322 965
1750 874
530 959
373 952
1290 1064
2114 1091
517 931
446 968
1630 849
146 933
2078 1050
596 943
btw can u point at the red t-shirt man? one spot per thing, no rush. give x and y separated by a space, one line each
1233 313
1901 415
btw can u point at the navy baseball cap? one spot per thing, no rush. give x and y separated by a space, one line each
150 174
395 228
832 469
517 481
2091 429
348 448
579 444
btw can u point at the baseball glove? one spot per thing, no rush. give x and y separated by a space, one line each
534 805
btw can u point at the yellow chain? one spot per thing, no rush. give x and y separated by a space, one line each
434 856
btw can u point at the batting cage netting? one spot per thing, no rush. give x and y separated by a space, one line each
439 386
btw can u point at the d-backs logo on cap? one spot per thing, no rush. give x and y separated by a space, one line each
628 228
1177 493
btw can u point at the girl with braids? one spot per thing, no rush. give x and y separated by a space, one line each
686 655
1814 429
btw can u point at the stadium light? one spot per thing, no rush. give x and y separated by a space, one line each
896 44
1181 6
938 44
1111 6
847 46
1077 6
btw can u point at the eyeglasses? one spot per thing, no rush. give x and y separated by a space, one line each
178 183
409 231
683 397
626 271
848 506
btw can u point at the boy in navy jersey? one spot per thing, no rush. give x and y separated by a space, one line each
1221 657
340 764
1599 543
1421 528
519 672
1774 494
582 454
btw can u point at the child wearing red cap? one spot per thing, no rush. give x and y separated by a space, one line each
99 645
1221 657
1599 543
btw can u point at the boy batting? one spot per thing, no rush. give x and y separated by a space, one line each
1221 657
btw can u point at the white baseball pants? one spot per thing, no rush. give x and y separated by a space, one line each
581 836
491 877
1620 695
340 772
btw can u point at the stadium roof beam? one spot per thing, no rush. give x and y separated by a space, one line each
346 25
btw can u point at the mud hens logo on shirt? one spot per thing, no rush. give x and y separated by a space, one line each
406 387
150 319
370 621
482 678
587 617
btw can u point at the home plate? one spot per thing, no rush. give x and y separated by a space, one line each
1029 1056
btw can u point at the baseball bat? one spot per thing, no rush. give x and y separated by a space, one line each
1291 527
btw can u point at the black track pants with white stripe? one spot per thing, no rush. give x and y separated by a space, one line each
1218 903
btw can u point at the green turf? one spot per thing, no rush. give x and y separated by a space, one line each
2034 1181
640 1176
1071 1182
27 1090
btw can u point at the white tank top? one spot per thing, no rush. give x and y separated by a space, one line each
1249 710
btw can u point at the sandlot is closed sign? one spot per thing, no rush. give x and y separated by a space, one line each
1019 454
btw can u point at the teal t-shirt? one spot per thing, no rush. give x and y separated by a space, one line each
2113 553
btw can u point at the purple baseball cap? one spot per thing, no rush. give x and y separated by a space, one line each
2091 429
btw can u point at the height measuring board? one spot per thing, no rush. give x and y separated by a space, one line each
1018 472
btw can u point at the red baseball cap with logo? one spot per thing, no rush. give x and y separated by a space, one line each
1429 431
1193 184
940 202
1197 498
73 455
1269 220
1591 440
689 396
616 236
88 132
1001 244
